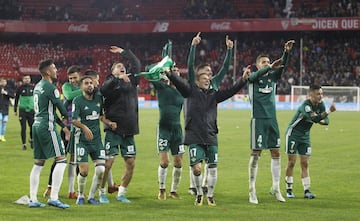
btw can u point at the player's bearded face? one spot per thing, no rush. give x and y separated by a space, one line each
52 72
89 91
88 86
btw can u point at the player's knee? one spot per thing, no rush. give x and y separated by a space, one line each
177 164
291 163
39 163
197 169
109 162
130 163
83 173
164 164
178 161
275 153
304 164
197 172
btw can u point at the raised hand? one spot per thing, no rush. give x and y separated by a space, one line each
332 107
196 40
288 45
247 72
116 49
229 43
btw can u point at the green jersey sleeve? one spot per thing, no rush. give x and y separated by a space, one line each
277 73
191 65
217 79
54 96
70 92
255 75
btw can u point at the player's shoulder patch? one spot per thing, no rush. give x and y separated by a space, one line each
307 108
57 93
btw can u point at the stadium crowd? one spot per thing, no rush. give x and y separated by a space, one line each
326 60
331 61
107 10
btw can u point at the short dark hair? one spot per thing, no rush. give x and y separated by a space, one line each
89 72
261 56
45 64
200 66
85 77
73 69
314 87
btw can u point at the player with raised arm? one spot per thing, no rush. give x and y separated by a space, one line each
215 81
264 130
121 107
311 111
201 128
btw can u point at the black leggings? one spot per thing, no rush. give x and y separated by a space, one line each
26 117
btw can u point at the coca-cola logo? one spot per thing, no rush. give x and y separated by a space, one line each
78 28
220 26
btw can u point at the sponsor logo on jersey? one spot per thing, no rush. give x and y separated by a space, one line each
266 90
94 116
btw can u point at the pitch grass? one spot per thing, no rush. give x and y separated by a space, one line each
334 175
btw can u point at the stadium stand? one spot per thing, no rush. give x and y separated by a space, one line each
332 61
135 10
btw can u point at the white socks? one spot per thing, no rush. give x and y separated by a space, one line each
211 181
289 182
162 173
253 168
176 177
71 177
57 178
197 182
34 181
81 184
121 191
97 178
192 183
306 183
275 171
